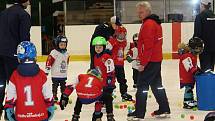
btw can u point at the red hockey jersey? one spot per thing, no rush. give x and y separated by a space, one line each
30 96
89 87
187 67
106 65
117 48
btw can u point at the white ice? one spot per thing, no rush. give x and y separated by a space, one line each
170 82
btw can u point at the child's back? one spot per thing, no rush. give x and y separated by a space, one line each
187 67
29 96
28 90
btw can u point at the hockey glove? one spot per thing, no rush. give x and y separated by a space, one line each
63 101
107 51
109 82
129 59
50 112
10 114
47 70
198 72
110 86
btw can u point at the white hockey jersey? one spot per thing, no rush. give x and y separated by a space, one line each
58 62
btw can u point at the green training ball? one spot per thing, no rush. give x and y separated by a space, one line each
70 101
116 106
129 107
55 107
182 116
195 109
133 108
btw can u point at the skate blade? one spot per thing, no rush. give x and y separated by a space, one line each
189 107
130 118
134 119
162 116
99 119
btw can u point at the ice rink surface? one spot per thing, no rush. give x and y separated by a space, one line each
170 81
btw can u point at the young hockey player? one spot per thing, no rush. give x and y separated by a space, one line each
132 58
117 46
188 68
57 62
28 91
105 63
88 88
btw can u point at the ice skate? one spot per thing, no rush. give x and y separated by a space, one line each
190 104
75 117
110 117
132 117
97 116
161 114
126 97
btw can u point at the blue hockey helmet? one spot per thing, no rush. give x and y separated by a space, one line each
26 51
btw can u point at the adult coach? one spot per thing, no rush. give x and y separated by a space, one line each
15 24
150 57
204 28
105 30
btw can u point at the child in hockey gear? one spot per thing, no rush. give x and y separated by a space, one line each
117 46
104 62
57 62
188 68
132 57
89 88
210 117
28 91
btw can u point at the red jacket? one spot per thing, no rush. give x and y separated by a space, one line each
187 68
150 42
117 50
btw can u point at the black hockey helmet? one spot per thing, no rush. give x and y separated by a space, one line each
196 45
57 40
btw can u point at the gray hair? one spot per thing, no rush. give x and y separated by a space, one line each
145 4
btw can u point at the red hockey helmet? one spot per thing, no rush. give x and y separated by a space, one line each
120 33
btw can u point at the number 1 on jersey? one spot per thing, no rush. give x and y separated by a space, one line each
28 92
90 81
